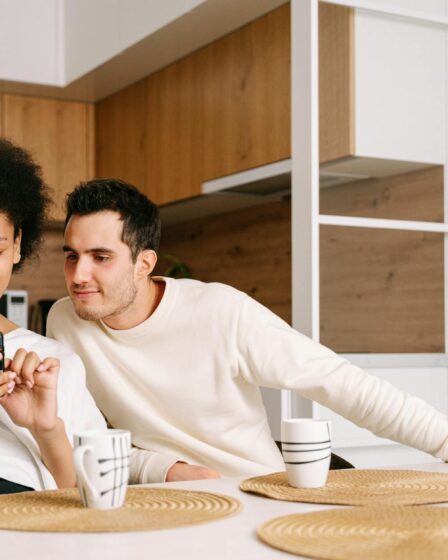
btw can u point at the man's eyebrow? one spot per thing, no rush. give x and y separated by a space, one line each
67 249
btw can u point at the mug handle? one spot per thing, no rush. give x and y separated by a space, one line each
78 459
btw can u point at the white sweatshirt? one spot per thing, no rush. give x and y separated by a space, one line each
20 459
185 382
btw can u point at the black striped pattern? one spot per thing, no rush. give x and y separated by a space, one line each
117 466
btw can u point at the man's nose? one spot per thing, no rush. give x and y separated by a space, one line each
82 273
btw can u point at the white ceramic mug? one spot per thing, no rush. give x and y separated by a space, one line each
306 450
101 459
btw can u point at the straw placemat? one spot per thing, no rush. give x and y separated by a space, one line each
381 533
357 487
145 509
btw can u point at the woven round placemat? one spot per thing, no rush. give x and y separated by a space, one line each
380 533
357 487
144 509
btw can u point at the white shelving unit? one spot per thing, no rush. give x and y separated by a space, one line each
409 372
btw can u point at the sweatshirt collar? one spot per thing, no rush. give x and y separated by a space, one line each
152 322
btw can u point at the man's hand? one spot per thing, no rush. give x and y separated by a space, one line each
31 396
183 471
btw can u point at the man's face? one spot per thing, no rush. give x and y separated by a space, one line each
99 271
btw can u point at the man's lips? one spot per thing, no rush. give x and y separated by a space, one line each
85 294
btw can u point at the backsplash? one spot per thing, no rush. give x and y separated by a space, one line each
249 249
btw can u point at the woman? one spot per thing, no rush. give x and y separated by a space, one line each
43 399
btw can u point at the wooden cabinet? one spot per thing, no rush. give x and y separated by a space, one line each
60 136
336 82
121 135
174 133
226 108
244 83
223 109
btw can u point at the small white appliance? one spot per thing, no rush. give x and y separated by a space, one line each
14 305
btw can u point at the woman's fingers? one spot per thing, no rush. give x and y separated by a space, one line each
25 364
29 366
47 373
7 382
49 364
23 368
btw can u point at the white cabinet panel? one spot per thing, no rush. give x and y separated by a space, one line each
91 34
95 32
140 18
28 41
399 88
431 7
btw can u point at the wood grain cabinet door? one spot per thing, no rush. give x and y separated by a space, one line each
60 136
121 135
224 108
245 93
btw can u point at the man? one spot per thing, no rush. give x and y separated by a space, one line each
179 362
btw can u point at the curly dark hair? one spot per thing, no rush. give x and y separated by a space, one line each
24 197
141 221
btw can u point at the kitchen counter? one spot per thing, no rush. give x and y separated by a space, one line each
230 538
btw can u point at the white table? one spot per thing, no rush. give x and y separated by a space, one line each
231 538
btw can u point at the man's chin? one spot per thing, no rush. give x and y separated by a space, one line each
87 313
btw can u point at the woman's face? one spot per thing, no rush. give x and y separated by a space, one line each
9 251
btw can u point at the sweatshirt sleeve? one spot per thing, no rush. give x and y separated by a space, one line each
272 354
149 466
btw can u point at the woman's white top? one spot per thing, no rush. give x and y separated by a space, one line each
20 459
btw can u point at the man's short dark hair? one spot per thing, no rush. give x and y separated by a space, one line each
140 216
24 197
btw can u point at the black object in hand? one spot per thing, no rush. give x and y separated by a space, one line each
2 351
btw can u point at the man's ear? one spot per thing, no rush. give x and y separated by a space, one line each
146 262
17 242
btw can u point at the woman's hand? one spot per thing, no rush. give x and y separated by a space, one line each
28 391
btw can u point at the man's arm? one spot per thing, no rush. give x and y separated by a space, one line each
151 466
183 471
275 355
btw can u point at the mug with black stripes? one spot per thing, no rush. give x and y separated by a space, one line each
101 459
306 450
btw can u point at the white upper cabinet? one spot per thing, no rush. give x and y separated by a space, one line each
396 90
96 31
54 42
399 88
114 42
91 34
30 36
